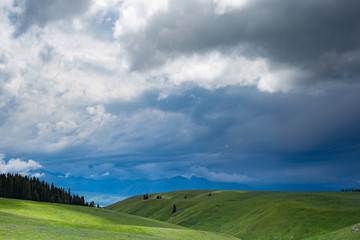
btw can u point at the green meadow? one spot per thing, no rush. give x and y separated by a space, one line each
20 219
342 234
254 214
199 215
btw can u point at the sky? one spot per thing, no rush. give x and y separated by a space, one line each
122 97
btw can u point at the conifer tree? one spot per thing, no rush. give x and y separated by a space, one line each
174 209
17 186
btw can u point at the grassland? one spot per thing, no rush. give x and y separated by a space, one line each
254 214
341 234
21 219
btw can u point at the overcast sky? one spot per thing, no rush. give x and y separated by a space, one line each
236 91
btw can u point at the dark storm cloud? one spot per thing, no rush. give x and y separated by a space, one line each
243 120
247 120
74 99
297 138
278 137
41 12
321 38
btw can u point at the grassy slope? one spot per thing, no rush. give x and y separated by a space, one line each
342 234
33 220
251 214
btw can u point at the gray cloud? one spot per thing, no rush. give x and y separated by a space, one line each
320 38
41 12
179 86
231 127
246 120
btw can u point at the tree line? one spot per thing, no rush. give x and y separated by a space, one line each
24 187
350 190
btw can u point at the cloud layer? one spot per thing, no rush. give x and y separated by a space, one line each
39 13
20 167
225 90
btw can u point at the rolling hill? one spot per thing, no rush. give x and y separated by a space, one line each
341 234
21 219
254 214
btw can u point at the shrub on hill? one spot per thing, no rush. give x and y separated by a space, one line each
350 190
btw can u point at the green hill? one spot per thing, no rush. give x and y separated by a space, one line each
253 214
20 219
342 234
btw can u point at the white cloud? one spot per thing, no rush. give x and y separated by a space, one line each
37 175
57 81
99 114
59 78
103 6
16 165
213 70
66 175
134 15
224 6
280 80
216 70
203 172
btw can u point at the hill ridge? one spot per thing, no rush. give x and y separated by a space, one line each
250 214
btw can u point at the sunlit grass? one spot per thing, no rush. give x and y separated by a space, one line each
33 220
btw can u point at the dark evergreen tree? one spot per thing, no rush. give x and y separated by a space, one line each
69 196
9 186
174 209
2 185
52 193
26 189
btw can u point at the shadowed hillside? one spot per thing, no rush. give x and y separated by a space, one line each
251 214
